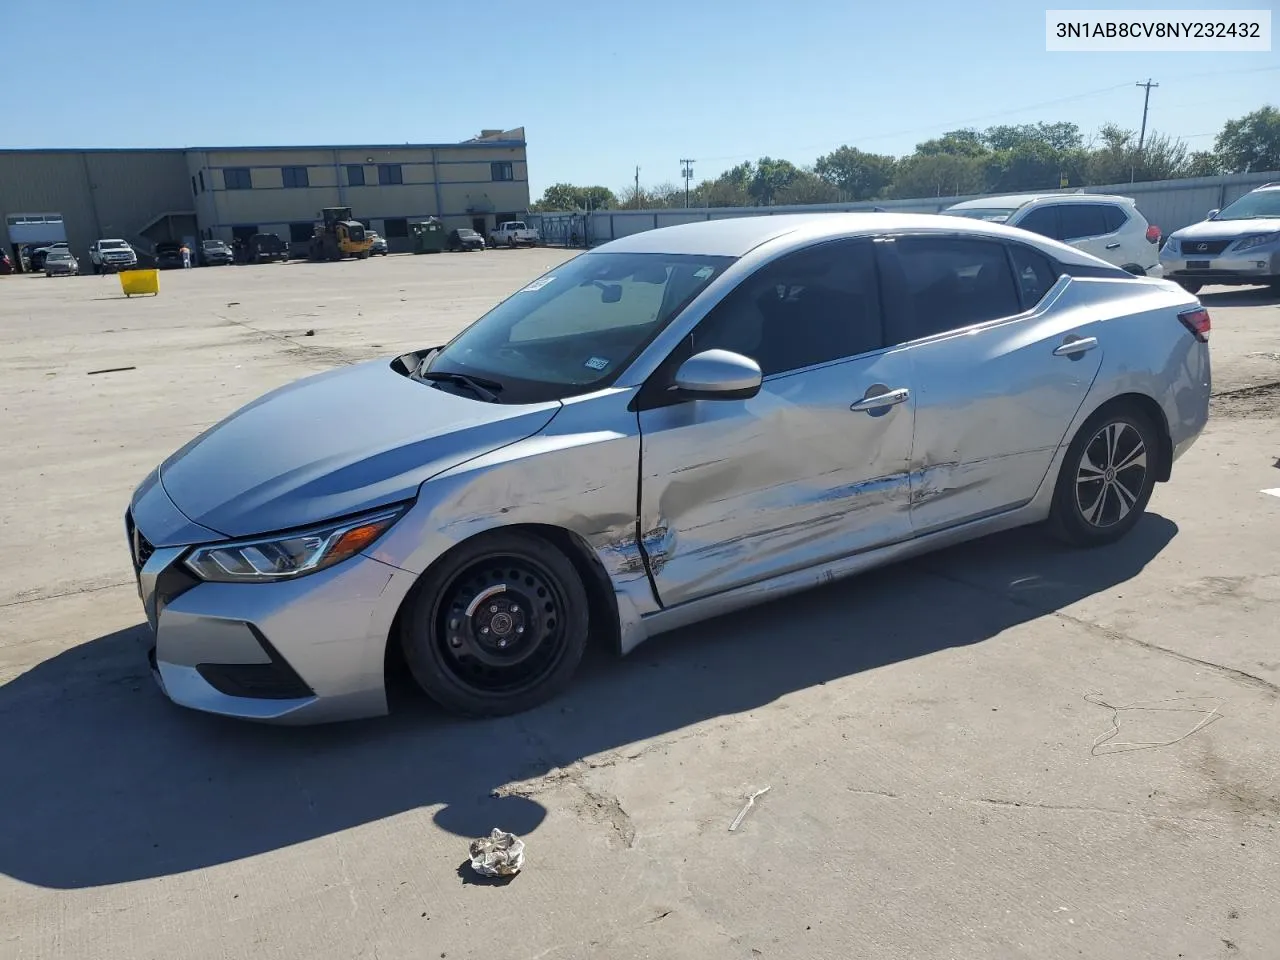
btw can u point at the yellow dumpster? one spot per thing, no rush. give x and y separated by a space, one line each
140 281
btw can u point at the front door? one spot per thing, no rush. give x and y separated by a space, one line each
737 491
997 372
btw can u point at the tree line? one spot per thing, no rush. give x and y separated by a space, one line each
999 159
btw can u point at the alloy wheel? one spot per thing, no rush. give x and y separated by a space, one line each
1111 475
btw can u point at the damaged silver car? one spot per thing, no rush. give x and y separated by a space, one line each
674 425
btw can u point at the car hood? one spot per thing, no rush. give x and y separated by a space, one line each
1226 229
335 444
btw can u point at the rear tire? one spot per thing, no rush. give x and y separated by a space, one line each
1107 477
498 628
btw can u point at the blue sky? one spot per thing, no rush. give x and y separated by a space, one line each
600 88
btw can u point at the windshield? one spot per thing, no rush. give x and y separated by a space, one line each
990 214
576 328
59 255
466 233
1253 206
113 245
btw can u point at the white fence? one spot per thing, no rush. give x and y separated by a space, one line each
1169 204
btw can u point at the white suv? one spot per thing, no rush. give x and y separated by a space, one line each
1108 227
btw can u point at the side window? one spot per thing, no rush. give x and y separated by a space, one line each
1042 220
950 283
809 307
1080 220
1113 217
1035 274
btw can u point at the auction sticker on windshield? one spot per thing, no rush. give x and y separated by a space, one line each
597 363
537 284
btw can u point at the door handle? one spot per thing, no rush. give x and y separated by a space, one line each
1113 246
887 399
1076 347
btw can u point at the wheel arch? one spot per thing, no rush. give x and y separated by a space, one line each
1153 411
604 625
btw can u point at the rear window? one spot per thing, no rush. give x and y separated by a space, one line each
1114 218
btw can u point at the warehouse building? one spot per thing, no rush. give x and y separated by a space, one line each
148 196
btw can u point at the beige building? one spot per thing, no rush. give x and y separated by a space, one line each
145 196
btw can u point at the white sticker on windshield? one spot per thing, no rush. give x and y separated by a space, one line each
537 284
597 363
704 273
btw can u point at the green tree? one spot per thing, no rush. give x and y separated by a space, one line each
1058 137
1204 163
567 197
807 187
957 143
859 175
1251 143
1117 158
938 175
770 177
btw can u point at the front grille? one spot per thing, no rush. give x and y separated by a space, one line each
1194 248
140 547
257 681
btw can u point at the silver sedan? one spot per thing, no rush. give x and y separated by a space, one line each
672 426
61 263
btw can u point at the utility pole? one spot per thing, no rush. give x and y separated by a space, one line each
638 203
1146 101
687 172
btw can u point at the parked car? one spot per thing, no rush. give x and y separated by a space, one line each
263 248
379 247
215 253
112 255
1239 244
1108 227
6 265
514 233
814 395
60 263
38 252
168 255
464 238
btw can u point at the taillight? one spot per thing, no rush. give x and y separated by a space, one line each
1197 321
1153 234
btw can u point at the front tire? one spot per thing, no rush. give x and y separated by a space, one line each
1107 477
498 628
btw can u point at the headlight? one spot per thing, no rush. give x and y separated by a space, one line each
291 555
1248 243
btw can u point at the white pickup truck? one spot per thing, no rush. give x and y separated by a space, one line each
513 233
108 255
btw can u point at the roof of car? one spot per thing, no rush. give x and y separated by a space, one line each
1020 199
737 236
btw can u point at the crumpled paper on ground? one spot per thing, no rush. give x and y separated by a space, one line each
500 854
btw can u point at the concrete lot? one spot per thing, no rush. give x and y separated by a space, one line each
935 790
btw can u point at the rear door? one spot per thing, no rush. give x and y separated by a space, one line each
1086 227
737 491
997 372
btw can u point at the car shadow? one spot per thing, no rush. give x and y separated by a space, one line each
105 781
1242 297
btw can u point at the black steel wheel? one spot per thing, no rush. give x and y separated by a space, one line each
499 628
1107 477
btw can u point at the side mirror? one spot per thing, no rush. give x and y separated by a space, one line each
1213 213
718 375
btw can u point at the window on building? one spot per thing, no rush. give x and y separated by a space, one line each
814 306
355 175
390 174
201 175
295 176
301 232
396 227
501 170
950 284
237 178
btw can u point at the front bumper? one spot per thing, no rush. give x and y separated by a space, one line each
1261 265
300 651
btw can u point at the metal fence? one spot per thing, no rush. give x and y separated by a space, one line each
1169 204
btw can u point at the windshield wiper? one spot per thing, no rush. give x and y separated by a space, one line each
486 390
